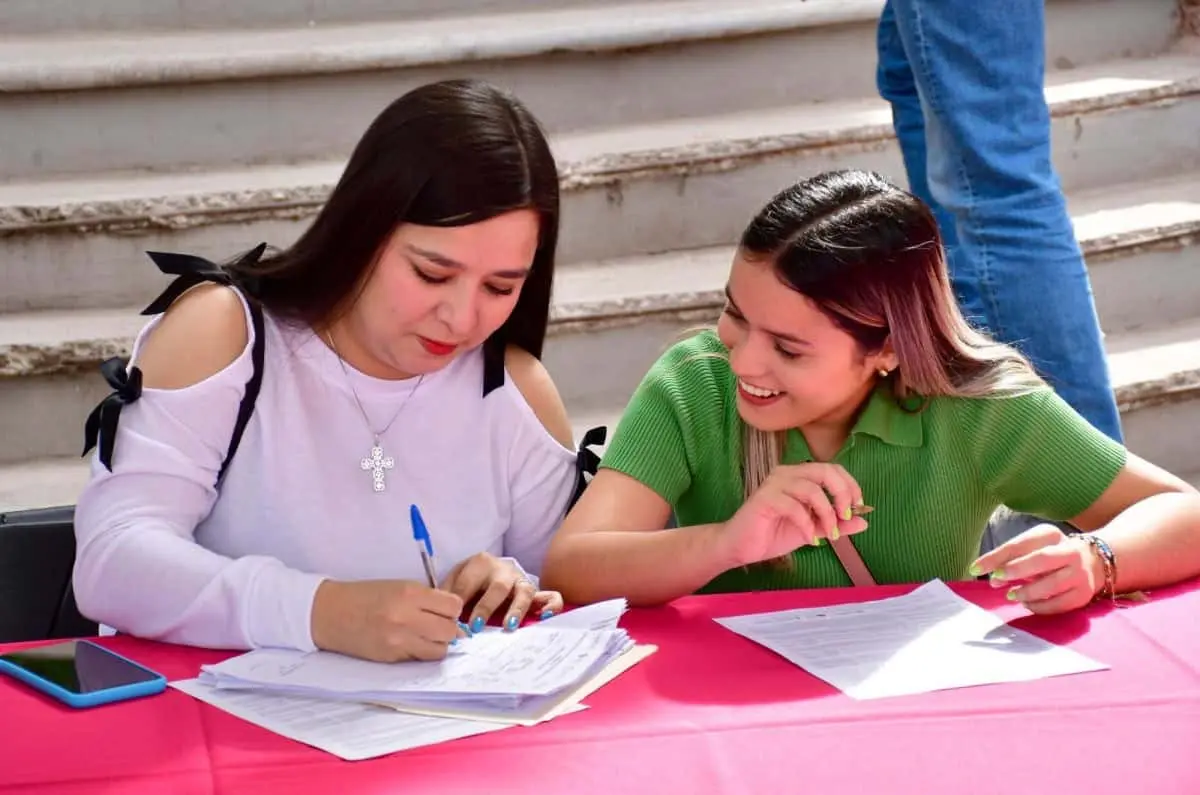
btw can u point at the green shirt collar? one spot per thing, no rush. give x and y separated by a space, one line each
882 417
886 420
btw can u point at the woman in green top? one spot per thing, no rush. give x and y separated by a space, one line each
842 373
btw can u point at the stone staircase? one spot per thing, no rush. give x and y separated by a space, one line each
207 126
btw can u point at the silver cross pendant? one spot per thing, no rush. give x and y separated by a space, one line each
376 464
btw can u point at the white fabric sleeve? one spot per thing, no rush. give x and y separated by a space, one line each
138 567
542 479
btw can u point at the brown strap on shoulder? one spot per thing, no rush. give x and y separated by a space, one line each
852 562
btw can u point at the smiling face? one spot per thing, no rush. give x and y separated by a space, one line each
436 292
795 367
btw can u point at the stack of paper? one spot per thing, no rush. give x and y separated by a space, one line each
928 639
498 673
492 680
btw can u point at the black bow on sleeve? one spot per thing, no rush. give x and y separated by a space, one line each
587 461
192 270
102 422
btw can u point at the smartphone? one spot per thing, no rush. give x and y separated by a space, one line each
80 673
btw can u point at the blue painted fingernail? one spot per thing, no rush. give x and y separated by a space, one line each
454 642
511 623
546 614
464 628
477 623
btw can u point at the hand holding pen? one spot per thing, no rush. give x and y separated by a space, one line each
389 620
488 584
385 620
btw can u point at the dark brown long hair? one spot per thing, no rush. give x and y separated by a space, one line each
445 154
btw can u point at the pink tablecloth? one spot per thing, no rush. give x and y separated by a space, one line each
710 712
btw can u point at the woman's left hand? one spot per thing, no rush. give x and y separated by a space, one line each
1044 569
491 583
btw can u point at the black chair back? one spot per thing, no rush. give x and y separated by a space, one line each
37 554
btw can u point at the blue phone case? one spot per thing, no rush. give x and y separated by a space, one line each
80 700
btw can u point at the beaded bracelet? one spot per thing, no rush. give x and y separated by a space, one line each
1107 560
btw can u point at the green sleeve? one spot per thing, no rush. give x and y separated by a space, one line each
1036 455
656 439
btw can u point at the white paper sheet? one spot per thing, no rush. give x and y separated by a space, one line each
598 617
349 731
929 639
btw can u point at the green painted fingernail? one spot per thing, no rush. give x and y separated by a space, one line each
1012 595
847 515
974 570
835 535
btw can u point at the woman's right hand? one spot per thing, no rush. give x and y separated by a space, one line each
385 620
795 506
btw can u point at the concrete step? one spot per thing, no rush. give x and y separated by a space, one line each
81 103
41 483
696 182
50 17
1157 377
70 243
219 98
57 17
1142 244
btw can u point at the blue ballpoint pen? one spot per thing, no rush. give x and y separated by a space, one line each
424 544
425 547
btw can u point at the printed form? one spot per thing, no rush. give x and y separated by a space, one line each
929 639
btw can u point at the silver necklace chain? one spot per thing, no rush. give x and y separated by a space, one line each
377 463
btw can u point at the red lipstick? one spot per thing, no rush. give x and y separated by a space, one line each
436 348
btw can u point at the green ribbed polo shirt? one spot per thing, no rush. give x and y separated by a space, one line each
934 476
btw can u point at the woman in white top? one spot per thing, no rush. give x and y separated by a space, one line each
389 358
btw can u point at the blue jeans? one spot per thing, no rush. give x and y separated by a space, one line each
965 82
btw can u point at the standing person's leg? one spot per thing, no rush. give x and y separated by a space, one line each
979 69
895 82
